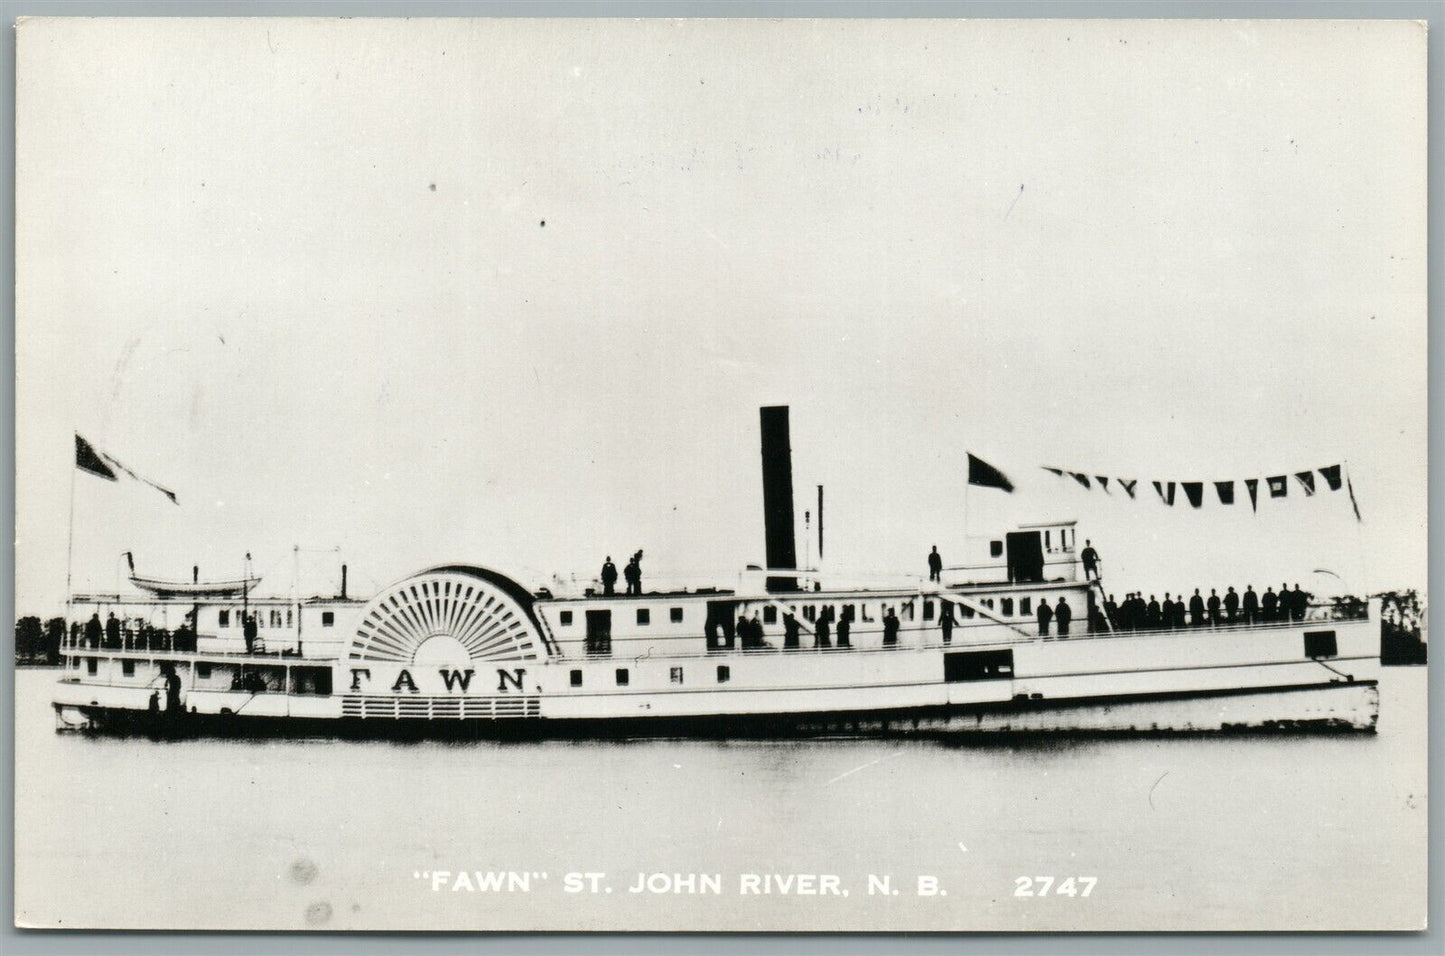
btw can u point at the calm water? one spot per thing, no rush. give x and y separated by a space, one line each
1206 833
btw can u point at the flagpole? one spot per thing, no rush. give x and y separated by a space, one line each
70 545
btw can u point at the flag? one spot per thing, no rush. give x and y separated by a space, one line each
1331 475
1161 487
1278 486
1307 481
88 461
982 473
1194 491
98 463
1253 485
1081 479
1103 482
1225 489
1057 471
1128 486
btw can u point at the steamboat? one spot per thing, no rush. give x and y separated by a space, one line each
461 650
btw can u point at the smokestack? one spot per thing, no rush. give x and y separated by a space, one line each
195 573
343 580
778 495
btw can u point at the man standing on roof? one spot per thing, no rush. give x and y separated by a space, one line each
609 576
1090 558
935 565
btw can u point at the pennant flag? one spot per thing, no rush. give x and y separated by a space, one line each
1353 503
982 473
105 466
1253 485
1194 491
1225 490
88 461
1277 486
1103 482
1307 481
1057 471
1331 475
1128 486
1081 479
1166 492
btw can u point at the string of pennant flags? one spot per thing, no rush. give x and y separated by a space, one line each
1333 478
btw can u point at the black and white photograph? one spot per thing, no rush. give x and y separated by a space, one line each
720 475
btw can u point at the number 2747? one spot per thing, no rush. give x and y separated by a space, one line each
1046 886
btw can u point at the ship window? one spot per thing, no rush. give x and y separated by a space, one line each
275 618
127 668
75 663
576 675
770 614
225 618
328 618
621 677
965 610
91 665
809 613
928 610
1046 538
288 617
565 618
1321 644
1006 606
203 671
1026 605
848 611
724 673
644 616
995 549
675 676
988 602
675 615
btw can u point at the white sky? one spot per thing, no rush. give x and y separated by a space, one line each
296 271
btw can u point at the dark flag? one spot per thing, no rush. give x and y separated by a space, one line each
1226 492
1307 481
88 461
982 473
1278 486
105 466
1103 482
1057 471
1128 486
1253 485
1166 492
1081 479
1331 475
1194 491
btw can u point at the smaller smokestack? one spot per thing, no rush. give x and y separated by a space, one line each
343 580
195 574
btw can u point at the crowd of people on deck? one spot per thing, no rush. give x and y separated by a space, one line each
1134 613
114 634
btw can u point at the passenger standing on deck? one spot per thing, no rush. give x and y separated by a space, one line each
173 693
93 630
1286 602
1063 614
1153 615
945 620
1299 603
1251 604
1196 609
845 628
935 565
609 576
1091 560
112 631
790 632
1046 615
1111 613
820 631
248 628
1213 608
1231 606
633 574
1270 603
1166 612
890 628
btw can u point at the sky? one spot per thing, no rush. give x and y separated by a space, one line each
404 293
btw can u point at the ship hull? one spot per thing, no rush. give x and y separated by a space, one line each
1338 706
